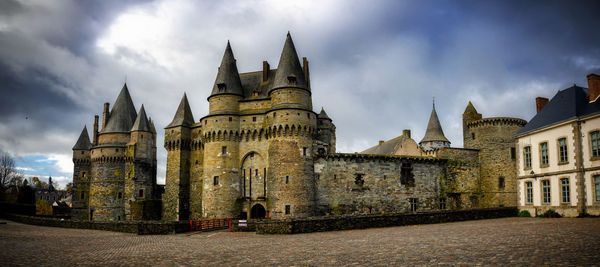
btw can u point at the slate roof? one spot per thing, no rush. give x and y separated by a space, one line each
183 115
289 65
228 75
434 129
323 115
470 108
122 115
141 122
388 147
83 143
567 104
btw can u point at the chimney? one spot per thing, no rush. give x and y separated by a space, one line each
265 72
105 115
381 142
540 102
406 133
593 86
306 71
95 134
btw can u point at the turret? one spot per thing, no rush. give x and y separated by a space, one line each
470 115
177 144
81 174
434 136
227 89
326 131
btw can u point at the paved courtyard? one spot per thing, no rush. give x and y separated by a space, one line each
508 241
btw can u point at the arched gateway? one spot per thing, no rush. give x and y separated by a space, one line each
258 211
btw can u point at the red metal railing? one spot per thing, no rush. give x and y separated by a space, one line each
210 224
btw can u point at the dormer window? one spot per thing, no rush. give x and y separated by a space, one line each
291 80
221 87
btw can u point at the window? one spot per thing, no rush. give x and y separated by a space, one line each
141 193
287 179
304 151
223 150
473 136
197 162
562 150
117 150
529 192
565 192
544 154
527 157
597 187
82 195
221 87
546 191
308 115
442 203
512 153
119 195
406 176
253 118
288 209
501 182
595 136
256 172
274 114
474 201
216 180
291 80
230 119
81 152
413 202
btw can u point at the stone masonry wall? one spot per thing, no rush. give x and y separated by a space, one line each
349 184
463 185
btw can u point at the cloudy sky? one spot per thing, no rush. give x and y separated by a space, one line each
375 65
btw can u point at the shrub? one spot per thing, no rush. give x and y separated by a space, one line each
551 214
524 213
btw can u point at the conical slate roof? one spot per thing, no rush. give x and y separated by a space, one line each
83 143
122 115
470 108
152 128
183 116
434 129
141 122
289 66
323 115
228 78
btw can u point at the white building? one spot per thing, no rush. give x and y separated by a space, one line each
559 150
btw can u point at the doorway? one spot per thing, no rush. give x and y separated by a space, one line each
257 212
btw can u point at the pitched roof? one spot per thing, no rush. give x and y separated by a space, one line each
567 104
289 66
323 115
122 115
141 122
434 129
152 128
470 108
228 78
83 143
388 147
183 115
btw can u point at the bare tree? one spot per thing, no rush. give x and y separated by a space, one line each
7 169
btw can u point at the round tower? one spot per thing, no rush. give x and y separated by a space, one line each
81 176
292 127
106 202
221 177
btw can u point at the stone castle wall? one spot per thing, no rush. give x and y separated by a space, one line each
359 184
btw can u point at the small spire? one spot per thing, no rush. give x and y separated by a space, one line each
323 115
228 78
83 143
141 122
289 72
434 129
183 115
470 108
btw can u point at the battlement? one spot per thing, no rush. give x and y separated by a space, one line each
497 121
357 156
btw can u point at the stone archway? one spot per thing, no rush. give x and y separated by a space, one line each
258 211
253 172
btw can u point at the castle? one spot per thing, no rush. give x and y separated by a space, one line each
262 152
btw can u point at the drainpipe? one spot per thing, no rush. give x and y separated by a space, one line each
581 205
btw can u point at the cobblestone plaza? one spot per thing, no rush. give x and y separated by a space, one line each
498 242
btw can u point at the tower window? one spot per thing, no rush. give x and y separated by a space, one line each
230 118
81 152
308 115
224 150
141 193
253 118
216 180
512 153
287 179
501 182
274 114
221 87
117 150
473 136
291 80
82 194
196 162
288 209
119 195
304 151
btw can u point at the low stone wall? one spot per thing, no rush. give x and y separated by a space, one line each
331 223
136 227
